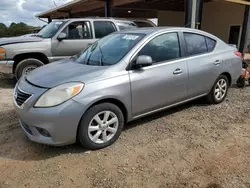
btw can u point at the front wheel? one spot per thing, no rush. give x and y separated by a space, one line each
100 126
26 66
219 91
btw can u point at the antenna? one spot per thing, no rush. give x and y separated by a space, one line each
54 3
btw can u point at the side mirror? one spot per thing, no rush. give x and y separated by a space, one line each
143 61
61 36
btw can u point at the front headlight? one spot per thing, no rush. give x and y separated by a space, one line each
2 53
59 94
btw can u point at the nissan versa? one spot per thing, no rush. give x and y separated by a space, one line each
122 77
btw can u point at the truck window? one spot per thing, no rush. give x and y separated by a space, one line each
103 28
78 30
126 25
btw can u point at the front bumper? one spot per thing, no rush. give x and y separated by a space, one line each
61 122
6 66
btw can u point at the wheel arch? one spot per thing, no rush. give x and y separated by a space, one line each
36 55
229 77
111 100
114 101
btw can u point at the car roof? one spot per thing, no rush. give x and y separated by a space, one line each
152 30
105 18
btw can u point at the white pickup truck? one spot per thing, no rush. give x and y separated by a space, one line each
58 40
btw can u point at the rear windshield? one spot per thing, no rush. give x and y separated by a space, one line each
143 24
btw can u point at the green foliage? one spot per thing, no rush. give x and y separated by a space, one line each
16 29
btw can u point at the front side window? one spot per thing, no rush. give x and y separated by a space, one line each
108 50
51 29
103 28
78 30
195 43
162 48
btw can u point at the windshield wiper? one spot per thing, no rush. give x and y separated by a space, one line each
36 35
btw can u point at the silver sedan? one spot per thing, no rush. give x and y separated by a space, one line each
122 77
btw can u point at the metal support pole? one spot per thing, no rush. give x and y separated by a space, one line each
199 13
193 13
49 19
188 13
193 17
108 8
245 27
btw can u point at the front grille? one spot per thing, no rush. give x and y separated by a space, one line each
21 97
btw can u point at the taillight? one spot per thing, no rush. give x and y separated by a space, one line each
238 54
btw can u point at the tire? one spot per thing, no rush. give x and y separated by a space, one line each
212 97
25 65
93 138
241 82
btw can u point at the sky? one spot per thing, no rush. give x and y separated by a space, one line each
25 10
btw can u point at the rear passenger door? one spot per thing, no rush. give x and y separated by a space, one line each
203 63
103 28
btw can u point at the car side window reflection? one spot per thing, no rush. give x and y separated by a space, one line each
195 43
162 48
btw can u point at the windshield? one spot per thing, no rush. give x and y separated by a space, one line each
109 50
51 29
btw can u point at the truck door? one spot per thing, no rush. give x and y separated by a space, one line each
78 37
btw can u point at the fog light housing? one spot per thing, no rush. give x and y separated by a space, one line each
43 132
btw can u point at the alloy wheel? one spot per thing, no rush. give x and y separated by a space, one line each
103 127
220 89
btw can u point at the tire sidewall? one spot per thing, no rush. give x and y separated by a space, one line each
25 63
82 134
213 89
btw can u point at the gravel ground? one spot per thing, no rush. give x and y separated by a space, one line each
193 145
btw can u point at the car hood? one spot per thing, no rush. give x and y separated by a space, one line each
14 40
64 71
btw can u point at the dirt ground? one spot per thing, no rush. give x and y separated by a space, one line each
193 145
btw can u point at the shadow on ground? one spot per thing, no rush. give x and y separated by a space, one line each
7 82
18 147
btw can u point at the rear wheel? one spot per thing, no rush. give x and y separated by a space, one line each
25 66
219 90
100 126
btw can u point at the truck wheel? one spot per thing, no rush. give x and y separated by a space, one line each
25 66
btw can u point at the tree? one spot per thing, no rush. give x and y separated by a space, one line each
16 29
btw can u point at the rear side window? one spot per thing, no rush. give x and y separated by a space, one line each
103 28
196 44
210 44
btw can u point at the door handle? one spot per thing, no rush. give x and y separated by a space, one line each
177 71
217 62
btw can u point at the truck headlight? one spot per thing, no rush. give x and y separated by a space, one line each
59 94
2 53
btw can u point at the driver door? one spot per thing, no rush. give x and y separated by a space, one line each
164 82
79 37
